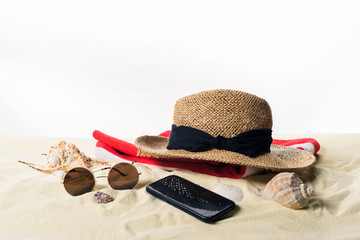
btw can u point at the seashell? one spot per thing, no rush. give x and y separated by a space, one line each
101 197
229 191
286 189
63 157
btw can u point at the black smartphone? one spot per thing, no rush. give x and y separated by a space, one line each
191 198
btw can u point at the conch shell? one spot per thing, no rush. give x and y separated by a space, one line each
286 189
63 157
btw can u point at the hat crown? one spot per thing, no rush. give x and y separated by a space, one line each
223 112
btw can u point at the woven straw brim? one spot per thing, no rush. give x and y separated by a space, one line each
280 158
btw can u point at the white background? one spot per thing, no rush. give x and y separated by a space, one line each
70 67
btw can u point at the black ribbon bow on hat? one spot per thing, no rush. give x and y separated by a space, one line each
252 143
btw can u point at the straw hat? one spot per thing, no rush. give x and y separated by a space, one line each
225 126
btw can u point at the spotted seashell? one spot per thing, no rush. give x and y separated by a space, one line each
286 189
101 197
54 161
64 157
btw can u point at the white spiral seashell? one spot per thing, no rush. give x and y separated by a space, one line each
288 190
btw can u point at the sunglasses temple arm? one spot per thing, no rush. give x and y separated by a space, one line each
134 163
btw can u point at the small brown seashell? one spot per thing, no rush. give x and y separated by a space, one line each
286 189
101 197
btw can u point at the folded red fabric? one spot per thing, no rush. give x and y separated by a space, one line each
112 149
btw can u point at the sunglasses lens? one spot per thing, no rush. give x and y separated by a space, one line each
123 176
79 181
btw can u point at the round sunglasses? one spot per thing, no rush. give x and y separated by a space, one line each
80 180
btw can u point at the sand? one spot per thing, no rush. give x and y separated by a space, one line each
36 206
